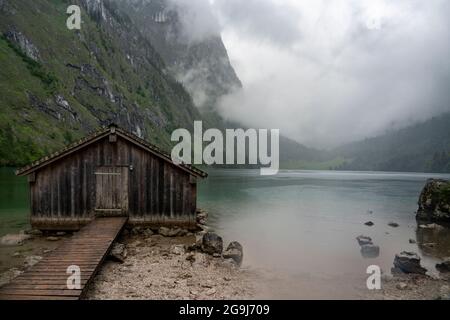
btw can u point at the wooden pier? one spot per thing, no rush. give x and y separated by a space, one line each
47 280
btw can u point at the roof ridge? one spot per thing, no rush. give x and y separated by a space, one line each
113 128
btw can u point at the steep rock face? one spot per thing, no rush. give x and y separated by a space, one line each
58 84
434 201
196 58
23 43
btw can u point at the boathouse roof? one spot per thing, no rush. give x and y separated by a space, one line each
112 129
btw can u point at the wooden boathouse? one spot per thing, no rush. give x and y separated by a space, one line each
111 173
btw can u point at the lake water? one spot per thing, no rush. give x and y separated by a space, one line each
298 228
301 226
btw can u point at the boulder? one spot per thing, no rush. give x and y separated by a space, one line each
34 232
408 262
369 223
364 240
177 232
14 239
212 243
412 241
147 232
444 266
164 231
136 231
370 251
234 251
432 226
177 249
118 253
52 238
434 201
402 286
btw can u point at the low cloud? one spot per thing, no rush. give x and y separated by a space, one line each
329 73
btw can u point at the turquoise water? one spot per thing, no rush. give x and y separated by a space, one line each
302 225
299 227
14 202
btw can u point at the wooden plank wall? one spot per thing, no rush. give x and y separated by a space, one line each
64 192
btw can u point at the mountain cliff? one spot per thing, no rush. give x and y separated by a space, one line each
57 84
193 52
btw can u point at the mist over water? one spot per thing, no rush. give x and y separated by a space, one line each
300 226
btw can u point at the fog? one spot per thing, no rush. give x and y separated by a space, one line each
330 72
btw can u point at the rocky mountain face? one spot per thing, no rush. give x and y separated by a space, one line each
192 50
57 84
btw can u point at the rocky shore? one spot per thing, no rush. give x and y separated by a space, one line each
148 263
173 264
158 267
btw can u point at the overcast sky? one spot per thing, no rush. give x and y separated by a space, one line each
329 72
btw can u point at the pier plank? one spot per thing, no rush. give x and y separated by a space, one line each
47 280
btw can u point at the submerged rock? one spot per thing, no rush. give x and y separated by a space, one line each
14 239
393 224
212 243
234 251
434 201
364 240
408 262
370 251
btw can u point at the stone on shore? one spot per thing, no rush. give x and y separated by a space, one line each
148 232
118 253
34 232
234 251
212 243
177 250
174 232
202 216
444 267
14 239
408 262
53 238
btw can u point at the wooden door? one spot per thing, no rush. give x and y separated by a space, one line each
111 191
